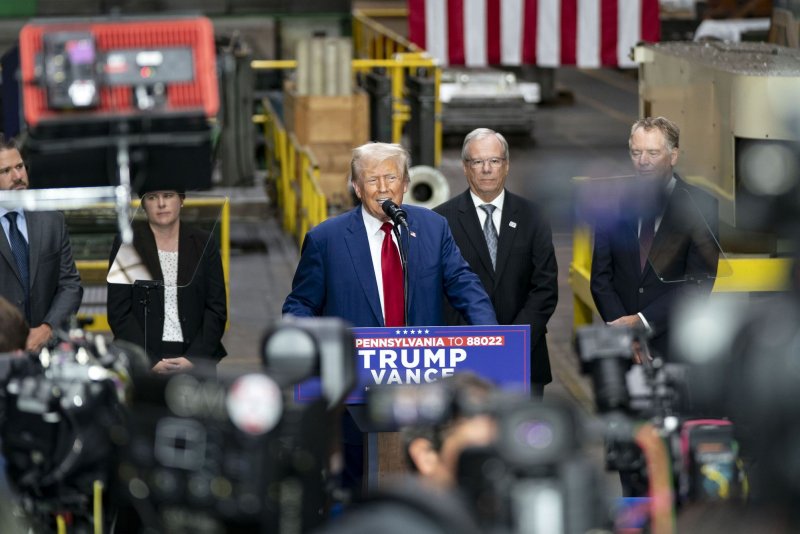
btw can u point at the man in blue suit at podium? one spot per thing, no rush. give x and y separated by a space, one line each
350 267
350 264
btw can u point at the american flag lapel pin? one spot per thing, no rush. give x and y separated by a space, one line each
512 224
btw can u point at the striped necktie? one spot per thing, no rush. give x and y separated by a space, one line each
490 232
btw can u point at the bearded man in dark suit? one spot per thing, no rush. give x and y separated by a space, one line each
37 271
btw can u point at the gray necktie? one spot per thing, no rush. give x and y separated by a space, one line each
490 232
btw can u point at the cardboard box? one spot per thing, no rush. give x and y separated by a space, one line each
327 119
335 186
333 157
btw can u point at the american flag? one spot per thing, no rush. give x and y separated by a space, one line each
547 33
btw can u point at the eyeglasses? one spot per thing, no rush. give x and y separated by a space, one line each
493 162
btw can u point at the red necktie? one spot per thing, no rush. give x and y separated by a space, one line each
393 300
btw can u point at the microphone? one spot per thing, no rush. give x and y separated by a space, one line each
396 213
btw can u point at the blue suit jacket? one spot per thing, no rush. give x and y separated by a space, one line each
335 276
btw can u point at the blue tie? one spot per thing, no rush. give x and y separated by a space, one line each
490 232
19 248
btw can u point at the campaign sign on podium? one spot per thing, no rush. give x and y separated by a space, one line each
420 354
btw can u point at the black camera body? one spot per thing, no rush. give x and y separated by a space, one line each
535 477
221 453
60 413
703 451
213 452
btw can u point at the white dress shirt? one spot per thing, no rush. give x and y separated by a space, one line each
670 188
172 325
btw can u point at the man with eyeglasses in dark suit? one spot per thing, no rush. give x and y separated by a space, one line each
507 241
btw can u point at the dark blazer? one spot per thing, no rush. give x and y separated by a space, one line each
56 291
683 258
202 305
524 287
335 276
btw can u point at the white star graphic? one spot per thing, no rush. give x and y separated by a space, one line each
397 331
405 331
427 331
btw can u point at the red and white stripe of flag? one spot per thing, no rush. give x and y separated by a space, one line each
547 33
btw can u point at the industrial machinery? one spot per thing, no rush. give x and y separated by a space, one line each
102 94
488 98
736 108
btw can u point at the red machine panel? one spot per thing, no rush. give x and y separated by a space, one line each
124 68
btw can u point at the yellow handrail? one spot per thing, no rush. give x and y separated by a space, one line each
396 67
293 167
368 32
747 275
296 175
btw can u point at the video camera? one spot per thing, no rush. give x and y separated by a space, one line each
60 413
200 450
745 365
702 452
213 452
532 478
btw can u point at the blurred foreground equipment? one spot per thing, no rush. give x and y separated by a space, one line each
535 476
88 432
654 436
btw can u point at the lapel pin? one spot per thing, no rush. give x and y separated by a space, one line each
512 224
412 234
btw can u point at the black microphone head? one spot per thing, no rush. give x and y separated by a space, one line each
394 212
389 207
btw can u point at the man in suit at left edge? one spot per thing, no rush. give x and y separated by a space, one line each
37 271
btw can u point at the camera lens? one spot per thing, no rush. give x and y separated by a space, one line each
610 388
535 434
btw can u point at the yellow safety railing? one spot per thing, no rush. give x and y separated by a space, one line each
373 40
396 67
314 209
580 271
294 167
748 275
296 174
